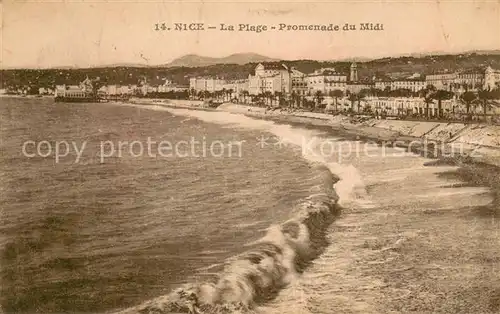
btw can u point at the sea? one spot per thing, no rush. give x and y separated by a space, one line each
123 208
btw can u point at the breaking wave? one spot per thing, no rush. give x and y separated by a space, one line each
268 264
273 262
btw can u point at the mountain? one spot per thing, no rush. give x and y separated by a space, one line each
125 65
193 60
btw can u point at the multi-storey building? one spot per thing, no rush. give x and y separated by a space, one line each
326 80
299 82
206 84
383 84
75 91
469 80
414 85
491 78
356 87
270 77
460 81
444 81
395 106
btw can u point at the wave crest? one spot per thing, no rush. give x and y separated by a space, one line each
267 266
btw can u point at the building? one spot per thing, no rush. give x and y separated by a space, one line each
491 78
354 72
147 89
270 77
326 80
299 83
172 88
237 86
469 80
394 106
73 91
83 90
209 84
397 106
383 84
356 87
169 86
45 91
414 85
444 81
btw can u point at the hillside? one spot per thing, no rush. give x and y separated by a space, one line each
231 69
201 61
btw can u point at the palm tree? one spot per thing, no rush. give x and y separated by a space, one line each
269 95
361 95
261 99
485 98
441 95
426 93
245 94
96 84
352 98
294 97
336 94
223 94
386 91
467 99
200 94
278 95
319 98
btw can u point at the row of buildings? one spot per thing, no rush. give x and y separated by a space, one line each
412 106
144 88
405 106
274 77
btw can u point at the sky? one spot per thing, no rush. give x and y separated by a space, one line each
48 33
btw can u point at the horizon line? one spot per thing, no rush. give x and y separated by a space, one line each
360 59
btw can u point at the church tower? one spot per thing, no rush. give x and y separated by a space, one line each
354 72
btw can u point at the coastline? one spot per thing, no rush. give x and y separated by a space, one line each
394 245
455 143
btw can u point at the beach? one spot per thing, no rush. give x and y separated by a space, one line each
285 226
414 236
458 141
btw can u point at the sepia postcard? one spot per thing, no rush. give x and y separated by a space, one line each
251 157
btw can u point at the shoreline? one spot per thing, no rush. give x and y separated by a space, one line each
436 140
393 246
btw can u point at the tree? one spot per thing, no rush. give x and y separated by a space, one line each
245 94
269 95
206 94
352 98
201 94
441 95
485 98
278 95
336 94
427 93
295 99
361 95
319 98
192 92
386 91
467 99
223 93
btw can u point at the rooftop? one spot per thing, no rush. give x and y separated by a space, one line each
273 66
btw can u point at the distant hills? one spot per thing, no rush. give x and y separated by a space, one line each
239 66
194 60
198 61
